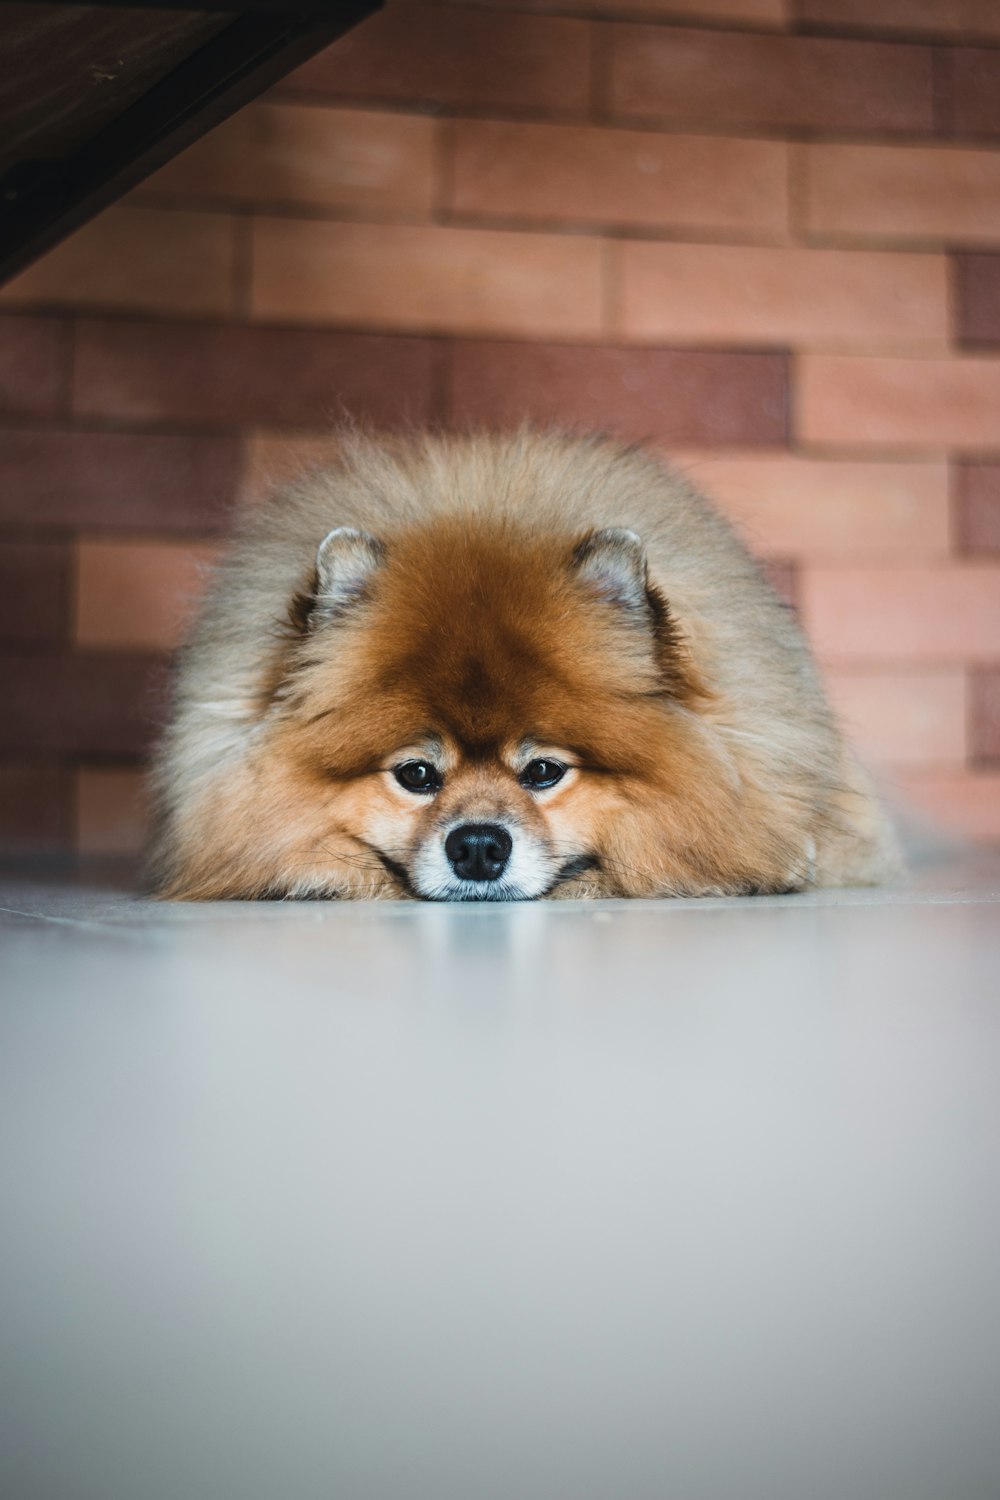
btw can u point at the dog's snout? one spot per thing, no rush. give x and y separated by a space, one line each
478 851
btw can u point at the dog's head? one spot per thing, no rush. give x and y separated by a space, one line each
471 711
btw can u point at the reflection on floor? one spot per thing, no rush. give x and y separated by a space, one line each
644 1200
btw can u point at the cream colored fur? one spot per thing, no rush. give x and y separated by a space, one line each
767 724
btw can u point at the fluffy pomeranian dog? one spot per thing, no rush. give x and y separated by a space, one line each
498 668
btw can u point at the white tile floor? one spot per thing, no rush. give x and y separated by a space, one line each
597 1202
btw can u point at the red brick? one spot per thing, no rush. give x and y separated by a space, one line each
793 507
112 813
906 614
86 704
271 459
977 507
749 294
902 718
783 576
977 284
984 715
163 260
938 194
674 396
434 55
911 17
959 802
117 480
591 175
969 90
427 279
682 77
350 159
136 596
36 808
229 375
757 13
918 403
34 591
34 365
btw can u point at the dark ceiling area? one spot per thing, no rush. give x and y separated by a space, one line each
95 97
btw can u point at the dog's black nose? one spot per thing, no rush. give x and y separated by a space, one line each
478 851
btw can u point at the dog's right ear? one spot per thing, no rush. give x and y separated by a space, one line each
612 563
346 562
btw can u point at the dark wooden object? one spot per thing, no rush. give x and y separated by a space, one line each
95 97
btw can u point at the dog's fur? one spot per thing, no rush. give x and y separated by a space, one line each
482 602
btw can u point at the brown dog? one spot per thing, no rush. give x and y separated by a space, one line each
495 669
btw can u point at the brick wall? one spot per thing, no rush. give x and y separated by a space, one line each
761 234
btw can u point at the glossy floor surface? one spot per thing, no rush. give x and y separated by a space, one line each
624 1201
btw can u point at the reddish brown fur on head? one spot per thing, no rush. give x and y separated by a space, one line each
362 711
478 648
487 635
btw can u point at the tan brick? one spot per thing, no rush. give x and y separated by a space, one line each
163 260
913 403
750 294
295 153
962 803
462 280
905 614
719 78
902 718
596 176
944 194
138 595
434 55
788 506
270 459
112 813
934 17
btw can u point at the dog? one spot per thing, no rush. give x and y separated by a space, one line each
497 668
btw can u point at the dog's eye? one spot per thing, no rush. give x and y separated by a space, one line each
542 773
418 776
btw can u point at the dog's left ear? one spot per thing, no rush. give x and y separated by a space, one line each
613 563
346 562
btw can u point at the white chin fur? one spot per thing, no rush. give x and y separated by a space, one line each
529 872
